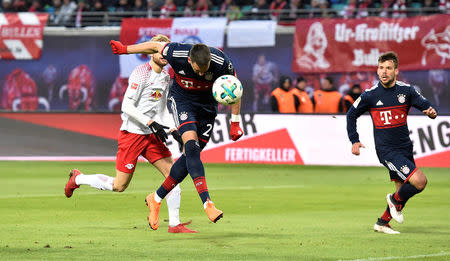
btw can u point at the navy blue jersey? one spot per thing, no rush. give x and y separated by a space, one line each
189 85
389 109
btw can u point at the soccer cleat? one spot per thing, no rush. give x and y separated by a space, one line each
213 213
386 228
71 185
181 229
394 209
153 206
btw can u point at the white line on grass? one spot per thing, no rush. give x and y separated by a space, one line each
399 257
96 192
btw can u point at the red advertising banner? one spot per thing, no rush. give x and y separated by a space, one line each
21 35
138 30
346 45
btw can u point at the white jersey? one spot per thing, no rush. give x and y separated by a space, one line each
146 99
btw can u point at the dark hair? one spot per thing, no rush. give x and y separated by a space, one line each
328 78
355 86
284 78
200 54
300 79
389 56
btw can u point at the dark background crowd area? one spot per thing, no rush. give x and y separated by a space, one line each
110 12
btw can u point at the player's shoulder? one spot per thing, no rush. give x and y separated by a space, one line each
370 91
141 70
217 56
403 84
176 49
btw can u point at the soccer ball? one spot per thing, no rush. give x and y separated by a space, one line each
227 89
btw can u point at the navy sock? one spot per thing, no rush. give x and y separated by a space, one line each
405 192
177 173
195 168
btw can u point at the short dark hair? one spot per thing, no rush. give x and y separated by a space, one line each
200 54
389 56
329 79
300 79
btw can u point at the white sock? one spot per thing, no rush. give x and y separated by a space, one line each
173 205
157 198
98 181
206 202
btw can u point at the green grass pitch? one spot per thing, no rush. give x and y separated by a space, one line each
270 213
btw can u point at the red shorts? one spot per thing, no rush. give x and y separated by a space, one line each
132 145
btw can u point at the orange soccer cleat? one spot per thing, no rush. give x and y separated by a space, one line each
153 206
213 213
71 185
181 228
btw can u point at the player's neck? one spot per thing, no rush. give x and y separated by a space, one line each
155 67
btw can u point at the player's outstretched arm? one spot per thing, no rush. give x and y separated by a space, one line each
356 146
430 112
235 129
144 48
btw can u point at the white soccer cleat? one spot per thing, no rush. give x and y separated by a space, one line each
384 229
395 210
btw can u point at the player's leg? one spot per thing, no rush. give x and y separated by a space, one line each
173 199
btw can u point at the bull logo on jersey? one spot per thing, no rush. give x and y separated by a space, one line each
129 166
404 169
401 98
156 95
208 76
439 42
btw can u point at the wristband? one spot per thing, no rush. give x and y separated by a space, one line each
235 118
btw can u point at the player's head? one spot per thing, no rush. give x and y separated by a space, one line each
327 83
388 69
200 58
157 57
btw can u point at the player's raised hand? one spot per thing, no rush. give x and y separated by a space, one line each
430 112
356 146
235 131
117 47
177 136
159 131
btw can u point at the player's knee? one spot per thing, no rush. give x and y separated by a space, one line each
419 180
192 148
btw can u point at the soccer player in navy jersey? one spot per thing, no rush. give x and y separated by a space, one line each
196 67
388 103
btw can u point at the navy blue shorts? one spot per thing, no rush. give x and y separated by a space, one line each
399 162
189 116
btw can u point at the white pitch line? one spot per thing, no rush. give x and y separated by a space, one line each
399 257
96 192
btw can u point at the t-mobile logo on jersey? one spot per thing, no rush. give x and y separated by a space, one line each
386 116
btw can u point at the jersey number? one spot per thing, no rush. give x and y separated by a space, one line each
207 132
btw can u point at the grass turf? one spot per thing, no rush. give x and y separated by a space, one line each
270 213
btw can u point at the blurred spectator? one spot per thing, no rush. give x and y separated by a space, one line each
49 77
429 7
234 12
399 9
151 8
324 5
265 74
260 10
327 99
189 8
98 6
64 16
225 7
7 6
386 6
296 10
305 103
81 17
282 100
168 9
139 8
123 6
363 8
351 96
19 6
438 81
36 6
314 9
202 8
351 9
278 9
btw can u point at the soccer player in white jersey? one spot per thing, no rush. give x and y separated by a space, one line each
143 106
